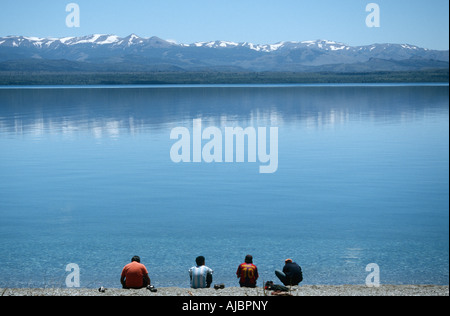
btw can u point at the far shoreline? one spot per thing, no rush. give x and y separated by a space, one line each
42 78
225 86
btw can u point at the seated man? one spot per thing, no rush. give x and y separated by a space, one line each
135 275
291 274
247 273
201 275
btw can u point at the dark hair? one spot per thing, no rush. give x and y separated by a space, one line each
136 258
200 260
248 259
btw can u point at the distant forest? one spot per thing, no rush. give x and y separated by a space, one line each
8 78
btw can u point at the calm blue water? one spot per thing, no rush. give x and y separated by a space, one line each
86 178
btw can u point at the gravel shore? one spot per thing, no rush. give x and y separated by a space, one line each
309 290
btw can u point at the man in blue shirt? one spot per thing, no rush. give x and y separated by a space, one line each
201 275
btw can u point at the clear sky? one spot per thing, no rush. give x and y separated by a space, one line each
419 22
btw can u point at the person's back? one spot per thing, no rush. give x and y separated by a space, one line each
293 273
200 275
247 273
134 275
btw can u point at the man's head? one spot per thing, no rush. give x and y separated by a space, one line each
248 259
136 259
200 261
288 261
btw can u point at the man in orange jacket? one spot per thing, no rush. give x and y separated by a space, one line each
135 275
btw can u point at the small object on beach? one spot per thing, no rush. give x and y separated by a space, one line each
281 293
152 289
275 287
102 289
219 286
268 285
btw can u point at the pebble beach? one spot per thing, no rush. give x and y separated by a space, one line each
309 290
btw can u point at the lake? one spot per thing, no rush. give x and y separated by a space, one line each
86 177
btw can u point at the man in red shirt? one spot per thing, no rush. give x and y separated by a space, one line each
247 273
135 275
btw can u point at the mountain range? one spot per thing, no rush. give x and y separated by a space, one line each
105 53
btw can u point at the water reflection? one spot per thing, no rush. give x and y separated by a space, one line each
114 112
350 196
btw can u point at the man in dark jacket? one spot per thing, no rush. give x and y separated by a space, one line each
291 274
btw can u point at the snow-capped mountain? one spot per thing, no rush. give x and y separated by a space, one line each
138 53
92 40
